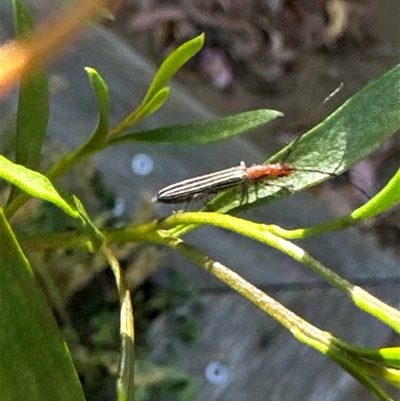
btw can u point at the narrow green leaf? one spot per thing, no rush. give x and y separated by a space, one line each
103 98
388 357
22 19
158 92
87 226
209 131
140 113
360 372
32 118
172 64
147 108
35 363
153 104
33 103
33 109
356 129
34 184
379 363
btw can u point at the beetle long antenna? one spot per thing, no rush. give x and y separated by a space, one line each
326 100
367 196
309 170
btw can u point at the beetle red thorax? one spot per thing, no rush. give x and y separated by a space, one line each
269 171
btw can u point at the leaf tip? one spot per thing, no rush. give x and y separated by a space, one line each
90 70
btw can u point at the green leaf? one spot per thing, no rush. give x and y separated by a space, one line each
147 108
360 372
86 225
38 185
33 103
153 104
34 184
22 19
158 92
35 363
103 98
172 64
140 113
356 129
32 118
209 131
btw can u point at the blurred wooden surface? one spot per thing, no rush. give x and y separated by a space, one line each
261 360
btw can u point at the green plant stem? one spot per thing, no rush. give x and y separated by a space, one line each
324 342
377 308
301 329
160 232
304 332
78 240
259 232
125 381
157 232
